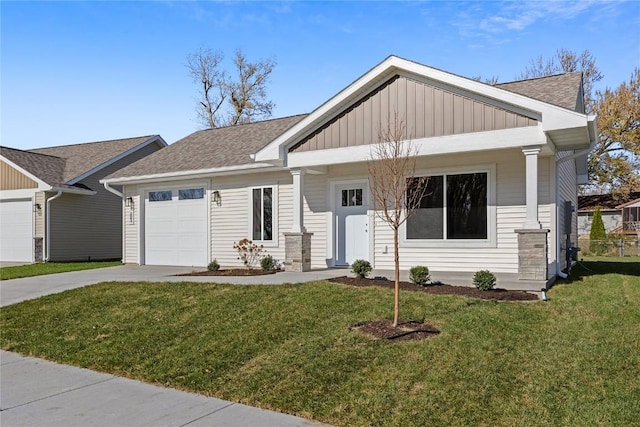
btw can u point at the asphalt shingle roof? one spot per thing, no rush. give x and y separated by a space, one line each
562 90
211 148
605 201
58 165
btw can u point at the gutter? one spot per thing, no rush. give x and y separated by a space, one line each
47 214
112 190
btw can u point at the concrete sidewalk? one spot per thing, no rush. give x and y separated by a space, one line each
36 392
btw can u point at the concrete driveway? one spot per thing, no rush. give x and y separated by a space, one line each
17 290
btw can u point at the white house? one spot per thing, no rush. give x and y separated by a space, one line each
299 185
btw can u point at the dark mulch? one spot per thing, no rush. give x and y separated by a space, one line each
230 272
405 331
440 289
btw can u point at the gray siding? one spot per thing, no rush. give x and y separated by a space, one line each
84 227
12 179
567 191
428 111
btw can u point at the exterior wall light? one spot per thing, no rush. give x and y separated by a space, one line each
217 198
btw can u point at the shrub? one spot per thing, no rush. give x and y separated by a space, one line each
361 268
248 252
484 280
419 275
597 235
213 266
268 263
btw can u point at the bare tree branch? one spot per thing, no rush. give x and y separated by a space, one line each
204 68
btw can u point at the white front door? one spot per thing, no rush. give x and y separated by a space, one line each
352 223
176 226
16 230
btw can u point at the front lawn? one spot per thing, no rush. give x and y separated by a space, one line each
573 360
38 269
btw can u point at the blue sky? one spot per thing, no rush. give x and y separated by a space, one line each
76 71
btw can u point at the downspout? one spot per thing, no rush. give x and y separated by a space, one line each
48 225
591 126
119 194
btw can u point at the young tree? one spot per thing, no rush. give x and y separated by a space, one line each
230 99
614 164
395 190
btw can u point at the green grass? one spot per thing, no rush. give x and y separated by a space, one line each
573 360
41 268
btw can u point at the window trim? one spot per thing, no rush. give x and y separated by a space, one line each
489 242
274 214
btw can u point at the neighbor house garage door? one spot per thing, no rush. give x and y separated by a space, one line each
176 227
16 230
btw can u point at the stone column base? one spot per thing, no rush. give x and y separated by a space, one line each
297 252
533 263
37 249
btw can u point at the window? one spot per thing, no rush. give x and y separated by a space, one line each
191 193
453 207
160 196
262 207
352 197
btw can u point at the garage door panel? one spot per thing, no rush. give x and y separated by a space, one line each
16 230
176 232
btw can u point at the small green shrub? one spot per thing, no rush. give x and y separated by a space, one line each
267 263
484 280
213 266
361 268
419 275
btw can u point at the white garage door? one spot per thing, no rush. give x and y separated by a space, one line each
176 227
16 230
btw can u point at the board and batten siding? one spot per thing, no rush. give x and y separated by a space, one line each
90 226
12 179
427 111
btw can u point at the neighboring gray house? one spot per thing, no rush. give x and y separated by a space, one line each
52 206
618 215
299 185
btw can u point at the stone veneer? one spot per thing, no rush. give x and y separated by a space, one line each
297 251
533 263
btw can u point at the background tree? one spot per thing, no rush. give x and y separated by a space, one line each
395 190
566 61
229 99
614 164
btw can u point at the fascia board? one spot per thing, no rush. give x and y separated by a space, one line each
41 184
192 174
74 190
552 117
450 144
157 139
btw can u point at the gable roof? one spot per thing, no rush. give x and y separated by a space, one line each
209 149
605 201
564 127
563 90
63 166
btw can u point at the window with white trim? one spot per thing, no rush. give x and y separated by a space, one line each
453 207
262 214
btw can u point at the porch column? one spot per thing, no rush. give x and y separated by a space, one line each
298 211
531 156
297 242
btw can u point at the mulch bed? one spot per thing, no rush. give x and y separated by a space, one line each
231 272
440 289
405 331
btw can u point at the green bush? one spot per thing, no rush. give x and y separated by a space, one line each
597 235
419 275
361 268
484 280
267 263
213 266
